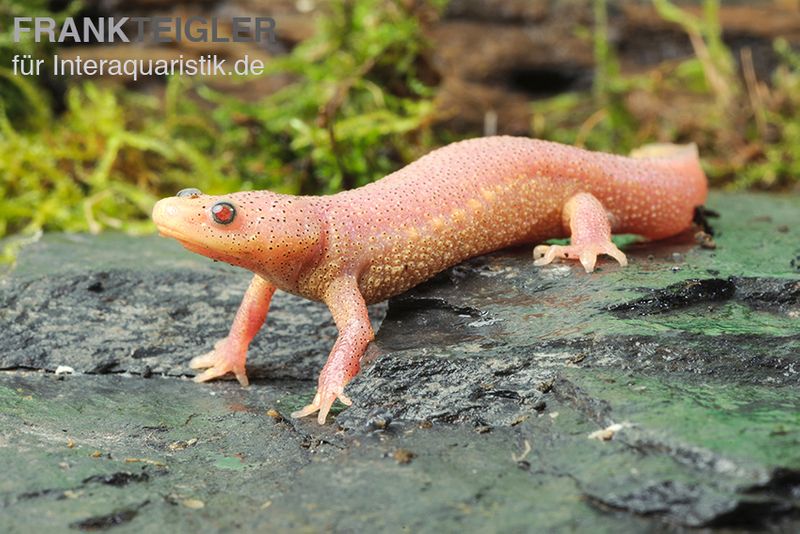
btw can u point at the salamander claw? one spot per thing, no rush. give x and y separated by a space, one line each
322 402
544 254
219 362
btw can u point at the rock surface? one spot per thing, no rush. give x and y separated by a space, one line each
108 304
497 396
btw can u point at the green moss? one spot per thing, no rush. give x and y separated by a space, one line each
356 110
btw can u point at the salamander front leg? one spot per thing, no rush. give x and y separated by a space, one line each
355 332
230 353
590 235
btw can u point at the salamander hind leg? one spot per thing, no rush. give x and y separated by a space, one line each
590 235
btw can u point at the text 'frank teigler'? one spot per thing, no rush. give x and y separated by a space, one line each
138 29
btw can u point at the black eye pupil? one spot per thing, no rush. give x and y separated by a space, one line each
223 212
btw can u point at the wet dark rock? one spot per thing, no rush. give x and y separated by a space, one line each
668 498
693 506
632 399
104 522
148 321
119 479
676 296
419 386
740 359
770 294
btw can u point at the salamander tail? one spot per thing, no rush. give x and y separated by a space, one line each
681 167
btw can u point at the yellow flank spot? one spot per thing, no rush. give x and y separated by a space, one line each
459 214
395 270
474 205
488 194
437 222
412 233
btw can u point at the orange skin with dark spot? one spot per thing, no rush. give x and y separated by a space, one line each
463 200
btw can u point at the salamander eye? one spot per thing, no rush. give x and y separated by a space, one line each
191 192
223 212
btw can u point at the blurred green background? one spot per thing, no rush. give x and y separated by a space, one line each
358 88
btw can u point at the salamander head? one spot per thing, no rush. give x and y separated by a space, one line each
270 234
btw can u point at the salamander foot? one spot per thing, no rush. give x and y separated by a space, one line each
586 253
224 359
